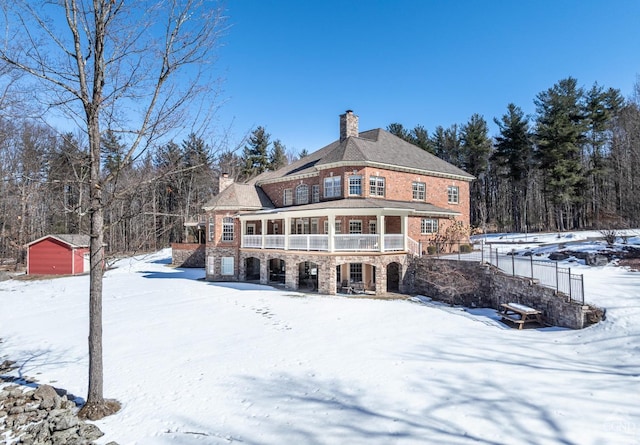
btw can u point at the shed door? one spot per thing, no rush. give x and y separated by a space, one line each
85 263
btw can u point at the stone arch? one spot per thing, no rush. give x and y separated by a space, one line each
394 272
252 269
277 270
308 276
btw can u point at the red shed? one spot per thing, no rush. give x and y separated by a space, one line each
58 255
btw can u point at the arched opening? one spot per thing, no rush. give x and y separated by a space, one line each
393 277
308 277
252 269
276 271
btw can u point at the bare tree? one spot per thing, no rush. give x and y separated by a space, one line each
141 69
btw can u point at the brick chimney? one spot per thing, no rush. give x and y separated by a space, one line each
224 181
348 125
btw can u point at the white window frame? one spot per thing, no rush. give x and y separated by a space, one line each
287 197
315 193
275 228
315 224
211 261
251 229
333 187
373 227
302 194
338 226
419 191
227 265
453 194
326 227
355 227
428 226
212 227
356 269
228 229
377 186
355 185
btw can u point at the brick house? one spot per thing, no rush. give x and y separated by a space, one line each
347 217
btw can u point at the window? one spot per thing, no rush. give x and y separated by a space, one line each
275 228
211 229
302 194
227 229
453 194
376 186
210 263
355 272
338 226
251 229
326 227
314 225
373 227
355 185
332 187
227 265
429 225
315 192
287 198
419 191
355 227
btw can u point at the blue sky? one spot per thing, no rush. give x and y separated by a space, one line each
295 66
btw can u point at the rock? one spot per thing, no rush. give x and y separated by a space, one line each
65 421
90 431
558 256
47 396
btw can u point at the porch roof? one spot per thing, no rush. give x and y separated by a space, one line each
355 206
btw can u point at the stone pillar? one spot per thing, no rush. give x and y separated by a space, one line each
264 269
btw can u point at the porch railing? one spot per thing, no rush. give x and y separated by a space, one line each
341 242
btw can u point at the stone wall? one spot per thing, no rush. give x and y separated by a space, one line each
187 255
481 285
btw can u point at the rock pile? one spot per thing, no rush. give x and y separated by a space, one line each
44 416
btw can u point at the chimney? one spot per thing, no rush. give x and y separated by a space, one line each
348 125
224 181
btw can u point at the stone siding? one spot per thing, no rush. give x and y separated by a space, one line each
187 255
480 285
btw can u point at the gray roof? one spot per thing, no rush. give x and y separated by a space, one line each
240 197
368 203
73 240
374 147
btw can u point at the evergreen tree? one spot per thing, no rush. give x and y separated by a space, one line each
447 145
420 137
303 153
513 154
256 154
476 147
277 156
112 151
560 127
601 106
399 130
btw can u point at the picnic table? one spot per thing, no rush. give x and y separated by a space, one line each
519 314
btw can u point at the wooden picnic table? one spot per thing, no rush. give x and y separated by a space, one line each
520 314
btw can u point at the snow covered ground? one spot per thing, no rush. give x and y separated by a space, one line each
194 362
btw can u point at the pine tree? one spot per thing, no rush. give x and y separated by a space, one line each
398 130
476 147
256 153
560 132
513 154
277 156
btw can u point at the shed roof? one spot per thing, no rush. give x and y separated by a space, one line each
72 240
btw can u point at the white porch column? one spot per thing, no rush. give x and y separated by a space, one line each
332 231
405 232
243 230
381 231
263 231
286 231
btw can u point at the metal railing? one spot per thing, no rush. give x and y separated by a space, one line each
547 273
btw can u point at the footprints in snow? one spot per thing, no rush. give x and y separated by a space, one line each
265 311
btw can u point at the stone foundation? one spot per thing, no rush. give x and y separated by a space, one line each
187 255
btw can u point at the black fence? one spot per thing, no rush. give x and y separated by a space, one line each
545 272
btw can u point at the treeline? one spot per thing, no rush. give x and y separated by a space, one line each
572 165
44 185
